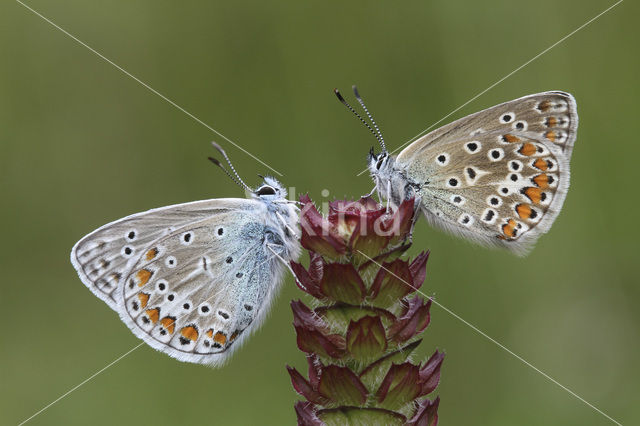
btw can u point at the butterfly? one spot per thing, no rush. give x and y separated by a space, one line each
498 177
194 280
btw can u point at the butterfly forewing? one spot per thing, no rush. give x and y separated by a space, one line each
104 256
550 116
500 176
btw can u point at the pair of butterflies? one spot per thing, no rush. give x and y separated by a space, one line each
193 280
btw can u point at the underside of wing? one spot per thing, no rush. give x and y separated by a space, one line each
103 257
507 203
548 116
498 177
196 293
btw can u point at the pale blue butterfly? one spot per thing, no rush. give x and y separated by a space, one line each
194 280
498 177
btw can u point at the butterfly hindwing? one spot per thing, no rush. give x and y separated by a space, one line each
498 177
201 288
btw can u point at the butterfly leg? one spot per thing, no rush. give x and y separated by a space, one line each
284 222
370 193
296 203
388 193
281 259
416 214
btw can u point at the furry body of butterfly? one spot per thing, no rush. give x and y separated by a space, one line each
498 177
194 280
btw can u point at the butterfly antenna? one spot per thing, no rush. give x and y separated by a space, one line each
375 126
350 108
237 178
217 163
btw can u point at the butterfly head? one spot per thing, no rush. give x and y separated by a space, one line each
379 164
270 190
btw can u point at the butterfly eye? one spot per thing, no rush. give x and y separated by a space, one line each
379 163
266 190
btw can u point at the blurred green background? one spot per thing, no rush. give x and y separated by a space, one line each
82 144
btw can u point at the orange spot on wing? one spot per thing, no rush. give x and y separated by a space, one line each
153 314
151 254
534 194
527 149
220 338
524 211
543 106
542 180
169 324
551 135
210 332
143 298
189 332
541 164
143 276
551 121
233 336
510 138
509 229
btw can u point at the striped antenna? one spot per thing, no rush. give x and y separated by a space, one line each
364 107
350 108
238 180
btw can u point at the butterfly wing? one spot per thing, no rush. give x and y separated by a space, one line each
102 257
195 290
500 176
